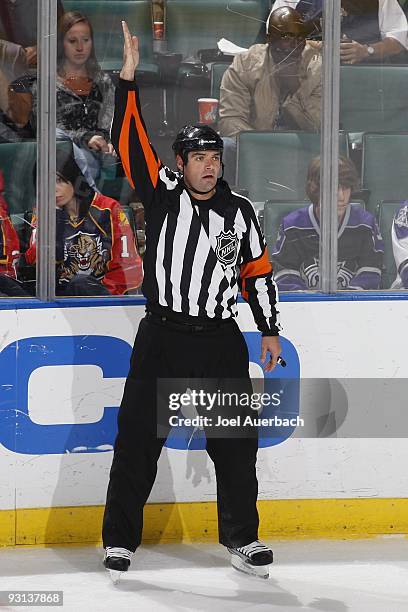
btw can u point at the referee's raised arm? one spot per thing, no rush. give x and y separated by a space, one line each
130 54
129 135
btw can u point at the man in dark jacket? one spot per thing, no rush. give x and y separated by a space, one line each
372 30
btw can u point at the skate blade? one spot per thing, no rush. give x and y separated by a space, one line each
260 571
114 575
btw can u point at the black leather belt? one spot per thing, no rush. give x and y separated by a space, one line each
187 327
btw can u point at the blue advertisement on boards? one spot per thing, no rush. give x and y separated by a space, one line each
20 434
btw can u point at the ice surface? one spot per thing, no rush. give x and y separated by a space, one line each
333 576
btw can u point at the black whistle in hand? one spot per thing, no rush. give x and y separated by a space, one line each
281 362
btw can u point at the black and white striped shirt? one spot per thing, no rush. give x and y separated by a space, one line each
198 253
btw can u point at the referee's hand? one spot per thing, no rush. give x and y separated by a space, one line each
130 54
270 344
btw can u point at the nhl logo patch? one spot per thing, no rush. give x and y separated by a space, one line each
227 248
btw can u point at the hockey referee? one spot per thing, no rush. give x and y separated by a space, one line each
203 242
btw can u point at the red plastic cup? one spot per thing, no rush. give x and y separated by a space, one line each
158 30
207 110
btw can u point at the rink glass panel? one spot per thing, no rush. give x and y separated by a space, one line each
373 111
18 149
270 167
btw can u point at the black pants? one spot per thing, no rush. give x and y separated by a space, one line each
82 286
162 351
11 288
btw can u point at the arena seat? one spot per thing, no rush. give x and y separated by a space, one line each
273 165
17 163
386 212
199 24
385 167
373 98
217 72
106 21
117 188
274 212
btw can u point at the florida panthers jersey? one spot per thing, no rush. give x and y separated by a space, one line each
101 244
360 251
9 242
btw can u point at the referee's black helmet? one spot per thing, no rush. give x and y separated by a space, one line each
199 137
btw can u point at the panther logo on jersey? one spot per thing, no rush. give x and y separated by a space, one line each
227 248
83 254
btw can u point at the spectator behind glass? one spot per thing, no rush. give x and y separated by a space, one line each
95 247
273 86
18 24
85 96
372 30
13 63
9 252
18 53
399 234
360 246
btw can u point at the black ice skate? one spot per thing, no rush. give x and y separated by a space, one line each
253 559
116 561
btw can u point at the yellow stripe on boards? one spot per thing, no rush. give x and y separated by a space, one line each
197 521
7 527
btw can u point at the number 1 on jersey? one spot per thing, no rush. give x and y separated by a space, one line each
125 252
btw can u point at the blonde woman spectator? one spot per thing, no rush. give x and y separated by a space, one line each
85 94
